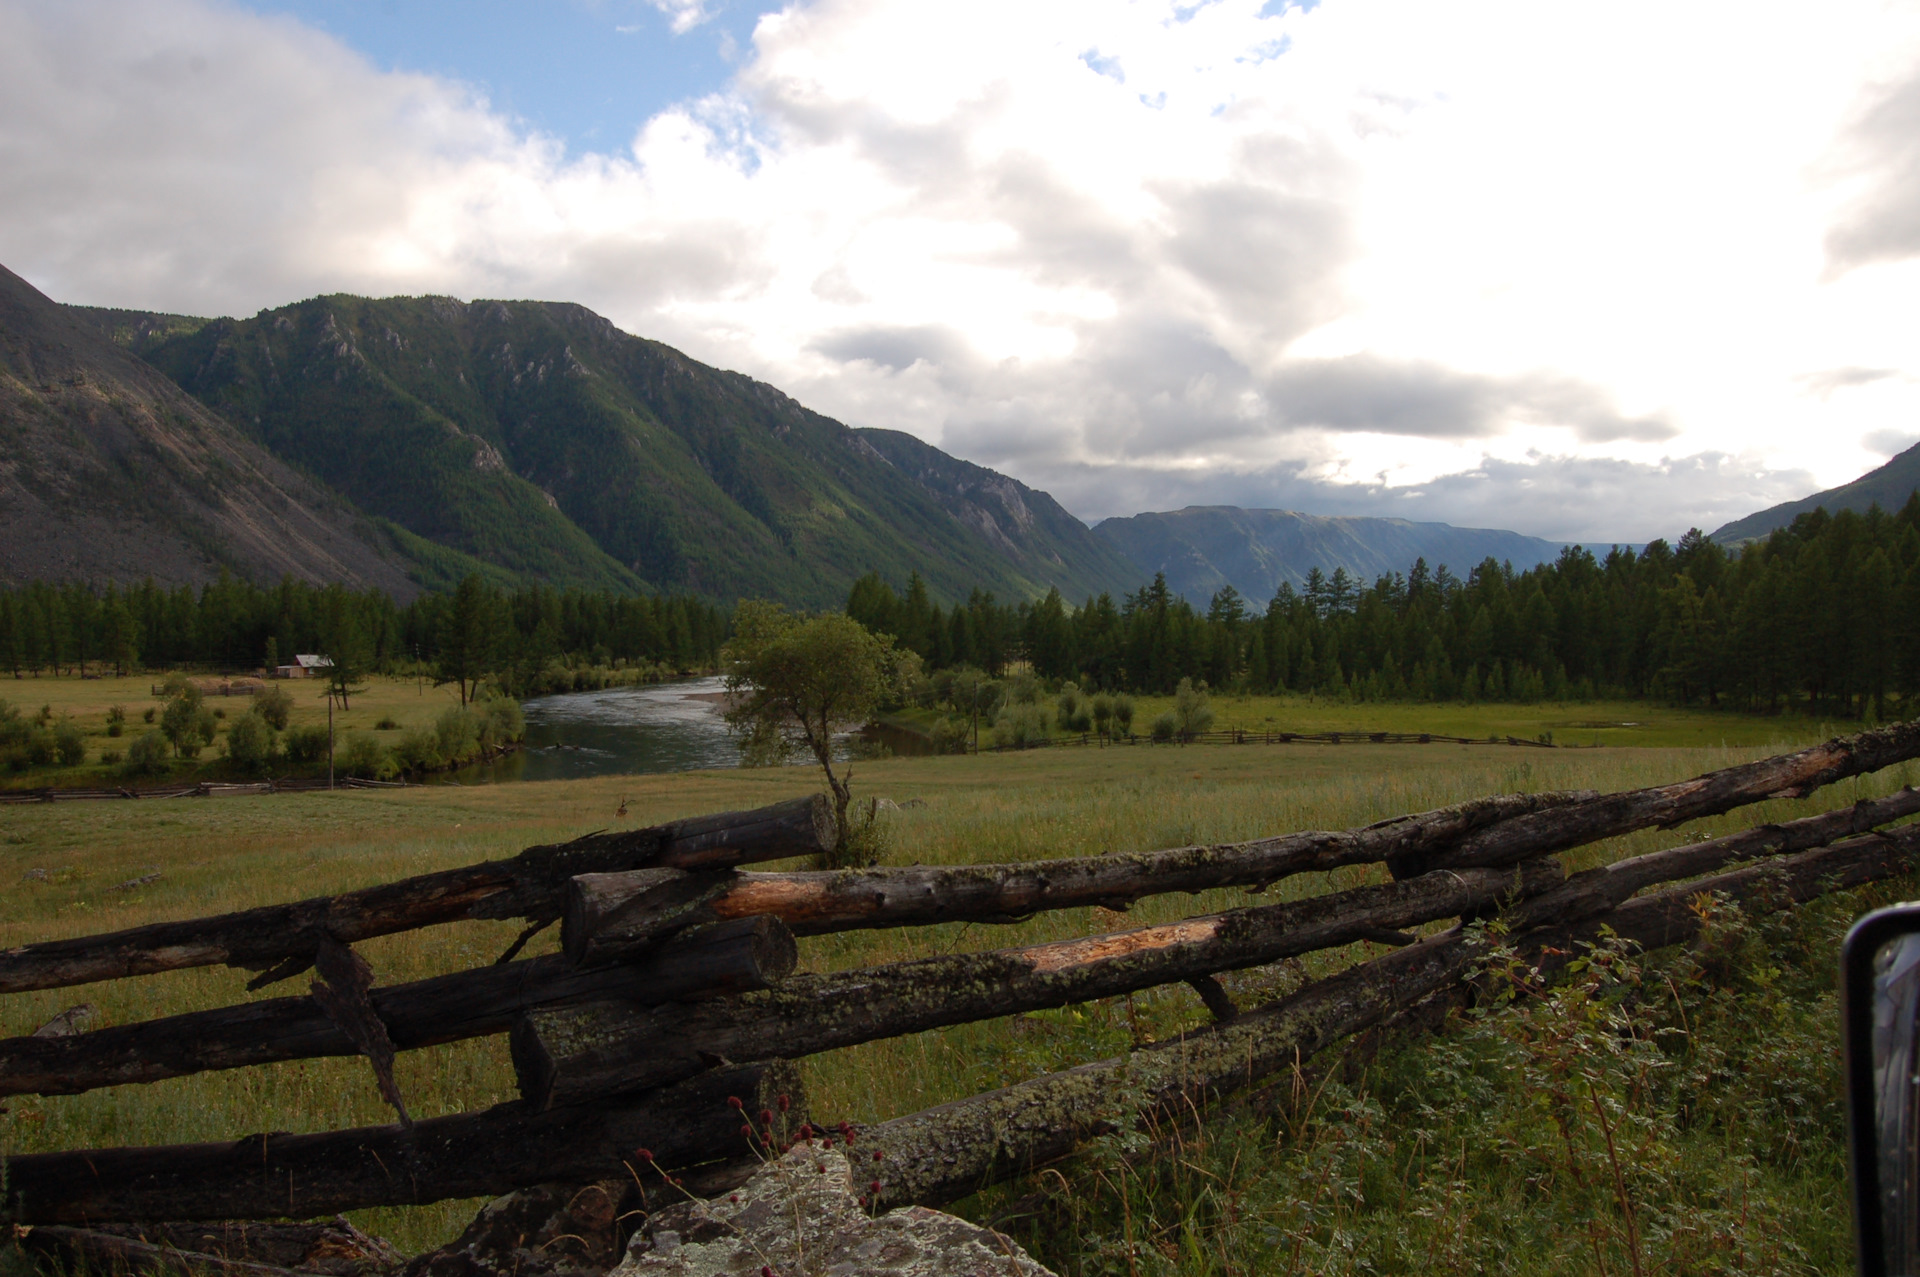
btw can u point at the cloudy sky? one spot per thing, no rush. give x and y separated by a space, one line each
1587 271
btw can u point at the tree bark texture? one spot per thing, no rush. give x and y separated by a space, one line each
531 885
487 1153
1784 776
715 961
618 906
565 1055
942 1154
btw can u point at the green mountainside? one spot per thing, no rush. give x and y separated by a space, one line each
1203 548
109 472
538 438
1888 487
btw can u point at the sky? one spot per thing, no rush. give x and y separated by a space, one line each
1588 272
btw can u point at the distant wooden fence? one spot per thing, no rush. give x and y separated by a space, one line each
669 1019
1245 736
199 789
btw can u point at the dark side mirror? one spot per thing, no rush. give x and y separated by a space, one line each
1880 1001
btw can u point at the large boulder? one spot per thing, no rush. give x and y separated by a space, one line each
803 1214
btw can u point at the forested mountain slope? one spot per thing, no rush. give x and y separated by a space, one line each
540 438
108 471
1888 487
1203 548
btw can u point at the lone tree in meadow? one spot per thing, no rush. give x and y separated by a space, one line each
803 678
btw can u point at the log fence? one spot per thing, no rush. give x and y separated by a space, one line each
674 997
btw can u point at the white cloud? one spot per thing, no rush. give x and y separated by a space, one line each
1383 252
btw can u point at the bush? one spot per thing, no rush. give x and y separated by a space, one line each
148 754
459 733
306 744
501 722
274 705
116 720
41 748
70 743
250 743
109 757
1020 725
365 756
950 736
147 717
1102 711
1192 715
1123 715
386 724
417 750
1165 726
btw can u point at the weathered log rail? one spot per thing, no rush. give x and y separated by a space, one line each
676 963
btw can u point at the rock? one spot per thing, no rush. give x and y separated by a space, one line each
551 1230
802 1215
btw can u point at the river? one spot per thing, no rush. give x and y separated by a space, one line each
661 727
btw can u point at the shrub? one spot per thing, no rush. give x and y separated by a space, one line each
274 705
1123 715
41 747
459 733
147 756
147 717
116 720
70 743
1020 725
386 724
306 744
365 756
1165 726
109 757
250 743
950 736
502 722
417 750
1192 715
1102 710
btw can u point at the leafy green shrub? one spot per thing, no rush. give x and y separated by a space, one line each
417 750
1192 714
275 706
1166 726
110 757
502 722
387 723
41 748
1102 711
116 720
147 716
1019 725
70 743
250 743
1123 715
949 735
459 732
366 757
148 754
306 745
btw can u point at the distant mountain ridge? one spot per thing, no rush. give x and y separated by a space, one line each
539 440
1203 548
1888 486
109 471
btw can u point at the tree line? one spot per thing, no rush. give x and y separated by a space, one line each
1823 615
530 639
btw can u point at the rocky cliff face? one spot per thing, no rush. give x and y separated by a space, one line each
109 472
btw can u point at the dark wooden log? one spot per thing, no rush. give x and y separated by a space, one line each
942 1154
1792 775
814 902
565 1055
509 1146
615 917
531 885
715 961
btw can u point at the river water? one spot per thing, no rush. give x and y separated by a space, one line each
663 727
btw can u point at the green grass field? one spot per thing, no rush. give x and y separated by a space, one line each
228 853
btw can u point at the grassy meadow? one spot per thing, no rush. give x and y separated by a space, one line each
400 703
229 853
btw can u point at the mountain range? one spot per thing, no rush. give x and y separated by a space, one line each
1202 548
1888 486
402 443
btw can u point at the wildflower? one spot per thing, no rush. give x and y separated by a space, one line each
784 1102
644 1154
733 1102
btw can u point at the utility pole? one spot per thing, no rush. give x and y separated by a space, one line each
329 741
